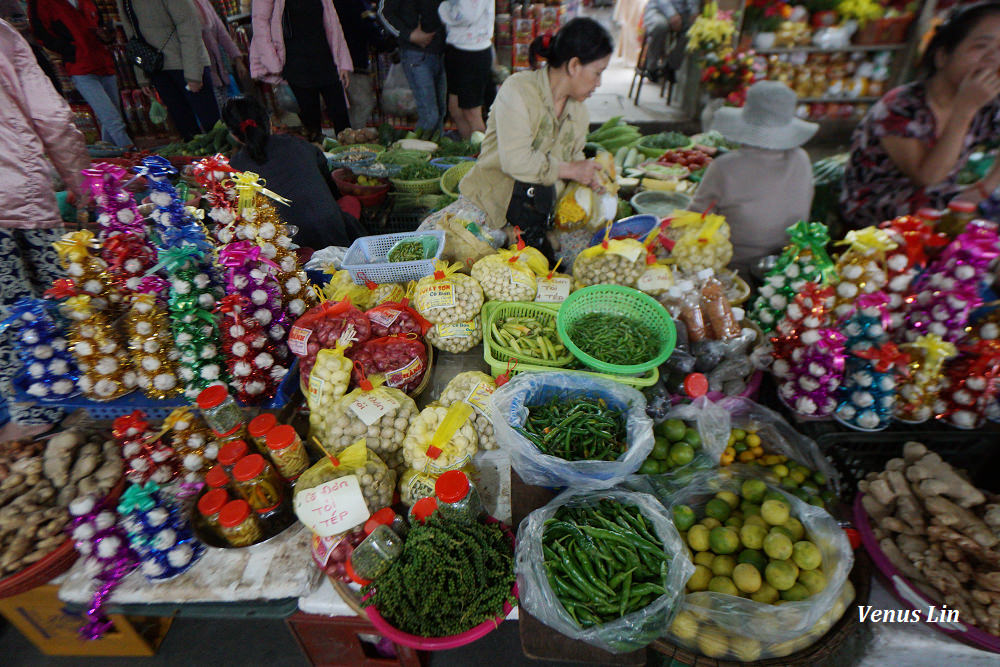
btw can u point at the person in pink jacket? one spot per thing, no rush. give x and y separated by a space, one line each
35 124
300 42
222 51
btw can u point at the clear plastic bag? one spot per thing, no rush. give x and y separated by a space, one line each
778 437
448 297
441 439
630 632
397 96
763 626
377 481
327 259
615 262
328 382
505 276
508 408
458 337
381 414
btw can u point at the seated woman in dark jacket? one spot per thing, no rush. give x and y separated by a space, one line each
295 169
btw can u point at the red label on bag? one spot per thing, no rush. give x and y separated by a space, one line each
401 376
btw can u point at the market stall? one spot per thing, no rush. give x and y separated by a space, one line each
432 431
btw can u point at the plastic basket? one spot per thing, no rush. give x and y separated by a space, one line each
428 246
351 156
426 186
658 203
514 366
855 454
367 256
448 161
347 182
454 176
452 641
622 301
493 311
375 148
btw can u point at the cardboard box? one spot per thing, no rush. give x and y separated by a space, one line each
40 616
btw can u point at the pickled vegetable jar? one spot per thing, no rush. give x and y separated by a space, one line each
958 215
231 453
286 451
258 429
258 484
216 477
210 504
238 525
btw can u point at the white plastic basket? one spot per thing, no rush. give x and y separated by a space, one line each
365 259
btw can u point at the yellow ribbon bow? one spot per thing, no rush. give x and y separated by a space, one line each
249 185
868 241
936 351
76 246
78 305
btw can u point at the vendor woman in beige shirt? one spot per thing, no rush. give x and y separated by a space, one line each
765 186
537 127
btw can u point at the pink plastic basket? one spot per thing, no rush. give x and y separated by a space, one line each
451 641
906 593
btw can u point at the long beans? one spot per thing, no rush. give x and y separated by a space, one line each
576 428
614 339
604 561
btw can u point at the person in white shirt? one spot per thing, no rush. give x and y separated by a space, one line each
468 60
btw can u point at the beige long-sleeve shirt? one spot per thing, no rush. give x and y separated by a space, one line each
174 27
761 193
525 141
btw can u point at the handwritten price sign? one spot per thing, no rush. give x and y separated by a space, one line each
332 507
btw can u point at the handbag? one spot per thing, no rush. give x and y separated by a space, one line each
138 51
531 208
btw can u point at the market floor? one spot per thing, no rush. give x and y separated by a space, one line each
195 642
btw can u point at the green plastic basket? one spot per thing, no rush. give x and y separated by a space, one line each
623 301
454 176
427 186
495 352
499 367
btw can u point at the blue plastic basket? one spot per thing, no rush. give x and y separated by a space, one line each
156 410
367 256
446 163
638 225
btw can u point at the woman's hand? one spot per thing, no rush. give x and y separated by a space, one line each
345 78
977 89
584 172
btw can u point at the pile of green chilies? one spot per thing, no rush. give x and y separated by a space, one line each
408 251
614 339
576 428
604 561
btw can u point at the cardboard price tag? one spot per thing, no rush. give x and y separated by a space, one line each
460 330
436 295
553 291
400 376
370 408
332 507
297 339
479 396
384 317
655 279
519 277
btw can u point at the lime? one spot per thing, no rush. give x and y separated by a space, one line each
698 538
718 508
778 547
729 497
673 429
753 490
766 594
753 557
796 593
703 558
753 440
699 580
747 578
806 555
789 483
781 574
814 580
692 437
752 536
739 434
723 585
722 566
775 512
710 522
681 454
665 465
684 517
724 540
661 448
649 467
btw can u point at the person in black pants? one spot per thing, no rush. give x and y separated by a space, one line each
303 44
295 169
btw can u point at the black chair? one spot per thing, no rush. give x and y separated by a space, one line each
641 71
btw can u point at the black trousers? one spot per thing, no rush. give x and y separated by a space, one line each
310 112
191 113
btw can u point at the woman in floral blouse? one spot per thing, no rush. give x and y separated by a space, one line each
908 151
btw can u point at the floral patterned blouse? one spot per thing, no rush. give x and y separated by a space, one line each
875 189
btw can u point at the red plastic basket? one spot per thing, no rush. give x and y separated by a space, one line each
52 565
451 641
348 184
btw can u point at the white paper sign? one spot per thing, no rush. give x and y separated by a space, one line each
553 291
370 407
332 507
297 339
629 251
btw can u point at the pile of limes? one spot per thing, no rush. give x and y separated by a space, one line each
750 546
808 485
674 445
744 446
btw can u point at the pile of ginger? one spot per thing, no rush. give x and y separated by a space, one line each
940 531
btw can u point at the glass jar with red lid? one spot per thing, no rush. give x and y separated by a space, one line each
210 504
258 428
230 453
216 477
286 451
219 409
257 482
458 497
238 525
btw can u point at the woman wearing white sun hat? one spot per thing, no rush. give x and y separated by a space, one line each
766 185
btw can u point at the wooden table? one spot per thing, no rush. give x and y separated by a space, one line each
539 641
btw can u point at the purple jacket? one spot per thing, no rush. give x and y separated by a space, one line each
35 123
217 40
267 48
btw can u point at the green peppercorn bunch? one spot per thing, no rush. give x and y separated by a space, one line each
451 577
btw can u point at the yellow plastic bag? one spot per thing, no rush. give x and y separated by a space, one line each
328 382
447 296
611 262
441 439
475 388
377 481
703 241
342 286
506 276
